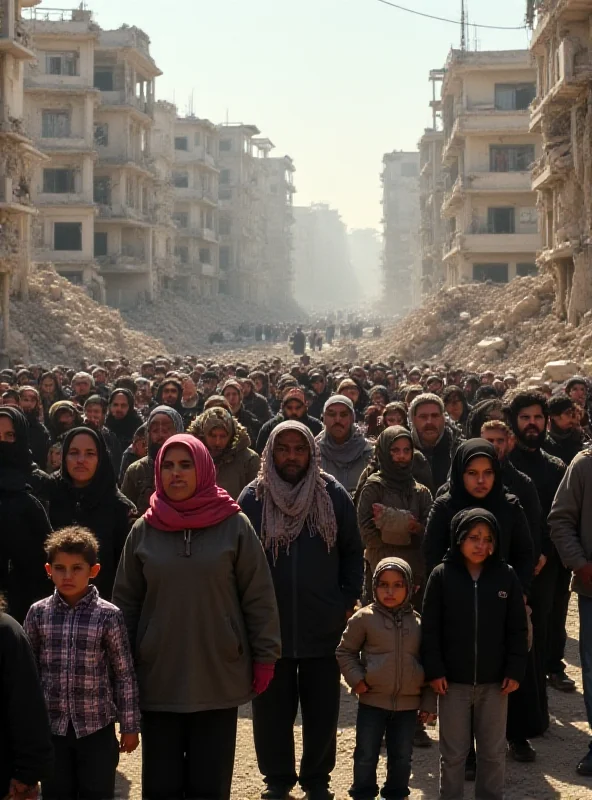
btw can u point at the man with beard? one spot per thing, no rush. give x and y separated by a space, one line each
138 482
432 436
170 393
345 453
95 413
294 407
63 416
254 402
322 392
307 525
529 413
39 440
122 418
565 439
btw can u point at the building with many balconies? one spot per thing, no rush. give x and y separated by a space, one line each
163 159
195 179
18 159
562 114
489 208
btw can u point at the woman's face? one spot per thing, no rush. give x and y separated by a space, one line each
479 477
82 459
352 393
454 407
401 451
178 474
47 387
394 418
55 458
7 432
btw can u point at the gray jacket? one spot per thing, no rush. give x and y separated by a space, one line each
200 607
570 519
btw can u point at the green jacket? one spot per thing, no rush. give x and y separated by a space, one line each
200 607
138 483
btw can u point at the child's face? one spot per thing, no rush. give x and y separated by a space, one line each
478 545
70 574
391 589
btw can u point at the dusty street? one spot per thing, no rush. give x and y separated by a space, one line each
551 776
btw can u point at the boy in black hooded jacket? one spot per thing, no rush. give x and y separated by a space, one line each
474 650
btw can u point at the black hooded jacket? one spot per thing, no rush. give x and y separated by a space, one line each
515 540
124 428
39 439
314 425
36 479
24 526
473 632
565 446
100 506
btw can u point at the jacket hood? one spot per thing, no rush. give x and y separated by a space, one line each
103 482
403 567
16 456
464 454
461 525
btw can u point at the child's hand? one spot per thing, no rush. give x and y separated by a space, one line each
427 717
129 742
439 685
509 686
22 791
361 688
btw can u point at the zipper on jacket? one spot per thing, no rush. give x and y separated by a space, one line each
187 538
476 600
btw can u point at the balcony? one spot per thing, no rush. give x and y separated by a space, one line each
121 99
122 262
198 232
501 242
492 182
196 193
196 156
123 213
454 198
482 121
64 144
208 270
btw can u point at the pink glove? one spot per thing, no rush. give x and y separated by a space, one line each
262 676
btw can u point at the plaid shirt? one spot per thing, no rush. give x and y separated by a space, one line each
85 664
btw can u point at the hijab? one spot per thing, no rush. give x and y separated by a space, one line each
16 456
396 477
124 428
177 420
403 567
210 504
456 489
288 508
103 482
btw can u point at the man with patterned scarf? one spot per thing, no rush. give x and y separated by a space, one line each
307 524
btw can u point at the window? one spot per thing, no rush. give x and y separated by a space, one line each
224 177
514 96
197 139
526 269
104 80
100 244
409 170
61 63
182 253
181 143
225 194
101 134
59 181
511 158
181 180
498 273
67 236
205 255
102 191
208 220
181 219
501 220
55 124
225 145
224 226
224 257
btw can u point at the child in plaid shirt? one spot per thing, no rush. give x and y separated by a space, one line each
84 659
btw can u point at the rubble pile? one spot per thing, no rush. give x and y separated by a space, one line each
475 326
60 324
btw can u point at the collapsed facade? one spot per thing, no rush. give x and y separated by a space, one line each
562 113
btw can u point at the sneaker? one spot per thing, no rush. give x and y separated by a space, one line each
585 765
521 750
561 681
421 738
275 793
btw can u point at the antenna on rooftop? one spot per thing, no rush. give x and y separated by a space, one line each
463 26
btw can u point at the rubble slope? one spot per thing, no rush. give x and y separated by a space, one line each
477 325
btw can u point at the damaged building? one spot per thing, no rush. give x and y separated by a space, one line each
562 113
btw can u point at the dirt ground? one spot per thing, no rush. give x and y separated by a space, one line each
551 776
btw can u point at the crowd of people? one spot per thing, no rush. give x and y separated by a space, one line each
183 538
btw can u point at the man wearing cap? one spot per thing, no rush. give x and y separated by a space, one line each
294 407
322 392
345 452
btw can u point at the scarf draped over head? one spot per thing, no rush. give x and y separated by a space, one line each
103 482
397 477
349 451
287 508
210 504
16 455
126 427
217 418
467 451
403 567
177 422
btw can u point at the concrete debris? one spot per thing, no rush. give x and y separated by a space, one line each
559 371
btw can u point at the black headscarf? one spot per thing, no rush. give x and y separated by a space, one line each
124 428
103 482
463 522
480 414
459 496
398 477
16 456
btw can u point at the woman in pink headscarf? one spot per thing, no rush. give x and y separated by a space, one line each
196 592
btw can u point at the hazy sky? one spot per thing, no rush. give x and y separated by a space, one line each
333 83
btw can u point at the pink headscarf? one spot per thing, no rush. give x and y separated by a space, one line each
207 507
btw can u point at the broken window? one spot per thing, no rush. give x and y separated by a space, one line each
102 191
181 143
514 96
181 180
55 124
501 220
181 219
522 270
511 158
205 255
101 133
100 244
225 145
67 236
59 181
224 257
61 63
498 273
104 80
